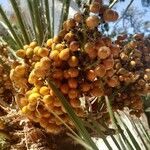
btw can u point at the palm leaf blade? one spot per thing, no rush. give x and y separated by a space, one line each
20 21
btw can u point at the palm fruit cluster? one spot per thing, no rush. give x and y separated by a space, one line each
36 99
83 63
133 71
6 87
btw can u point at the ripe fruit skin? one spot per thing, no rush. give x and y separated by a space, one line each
20 70
25 110
49 42
104 52
64 54
43 52
73 61
97 91
85 87
58 74
74 46
108 63
75 103
54 55
64 88
73 72
33 44
110 15
95 7
29 52
21 53
91 75
33 98
115 49
70 23
113 82
78 17
100 71
72 83
92 22
89 47
73 93
44 90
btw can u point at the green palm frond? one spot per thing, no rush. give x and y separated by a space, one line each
42 22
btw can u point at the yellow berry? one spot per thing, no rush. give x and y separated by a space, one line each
54 55
64 54
29 52
33 44
73 61
21 53
33 98
49 42
43 52
48 99
44 90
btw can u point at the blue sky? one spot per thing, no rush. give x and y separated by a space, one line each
119 6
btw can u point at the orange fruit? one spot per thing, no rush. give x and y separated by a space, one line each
110 73
69 37
113 82
21 53
115 49
104 52
44 90
89 47
72 83
54 55
64 88
70 24
64 54
58 74
92 22
73 93
91 75
85 86
73 61
43 52
75 103
66 74
100 70
95 7
74 46
78 17
108 63
49 43
48 99
33 44
110 15
97 91
73 72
